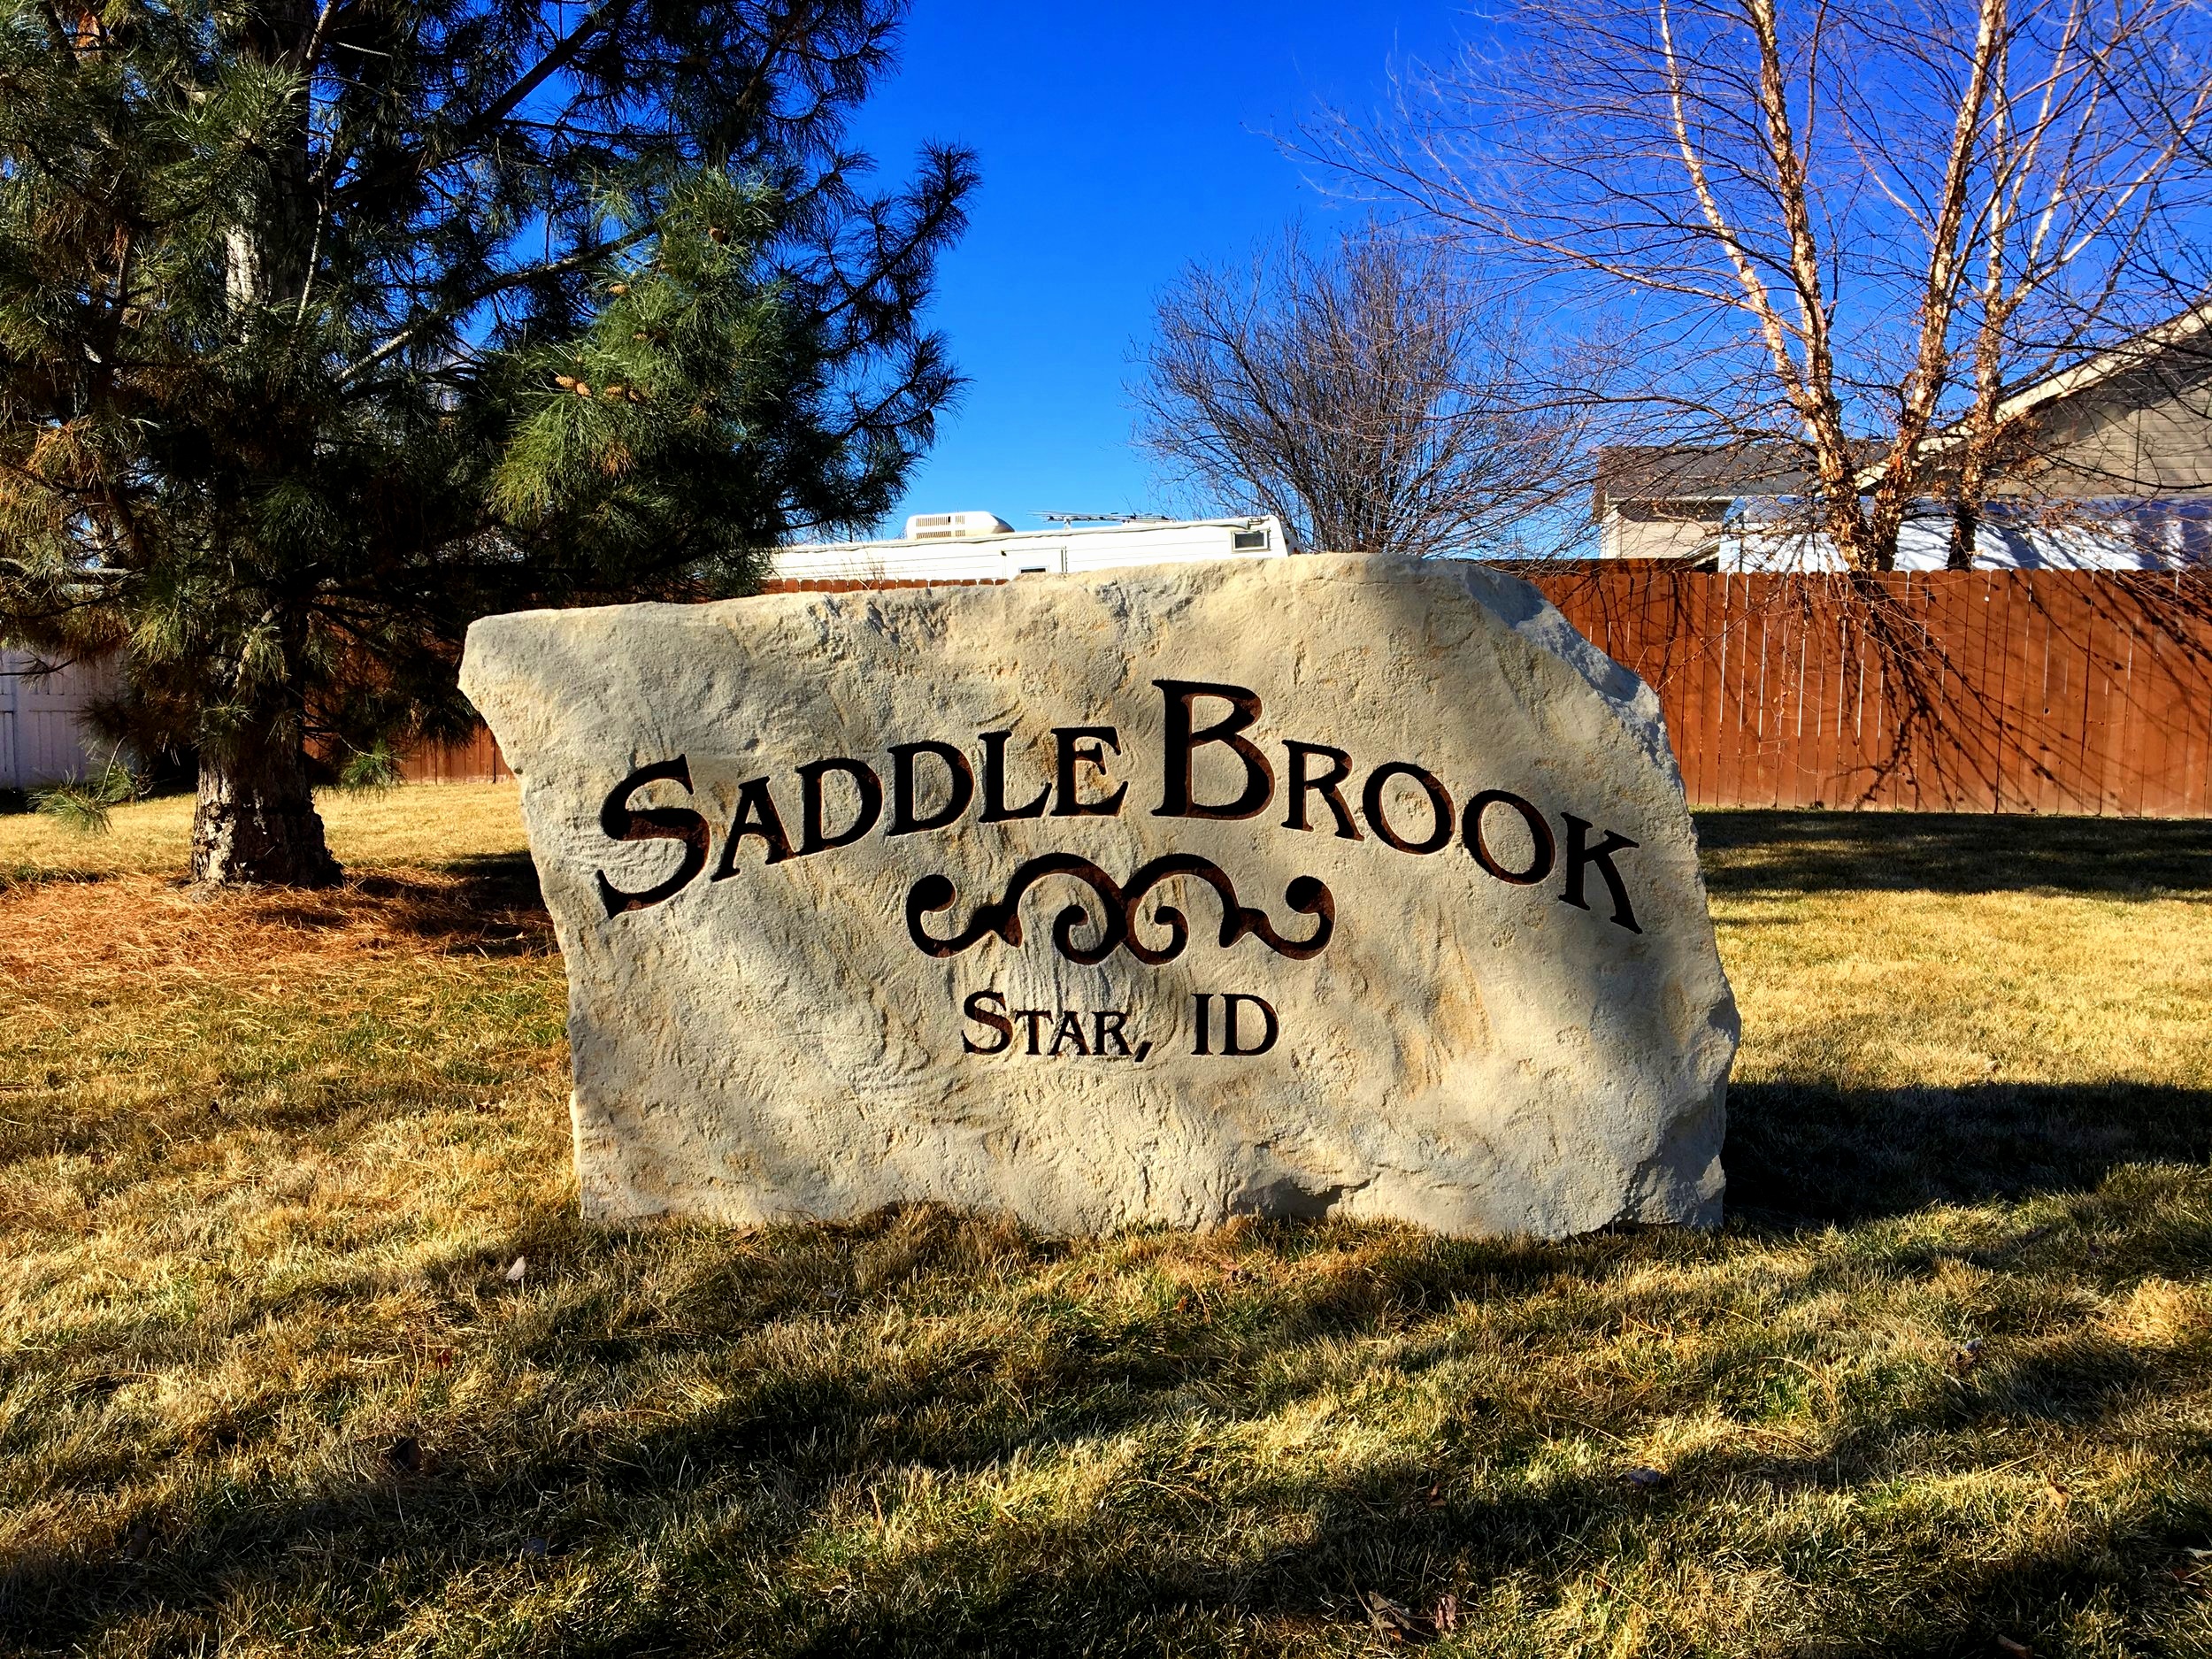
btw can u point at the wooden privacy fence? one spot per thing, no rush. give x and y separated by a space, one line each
477 760
1965 691
2000 691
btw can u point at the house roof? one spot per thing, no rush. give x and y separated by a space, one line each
1770 467
1718 473
2131 353
2186 330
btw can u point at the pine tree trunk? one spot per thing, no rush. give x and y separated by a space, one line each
255 823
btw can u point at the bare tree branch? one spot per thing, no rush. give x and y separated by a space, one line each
1792 201
1359 395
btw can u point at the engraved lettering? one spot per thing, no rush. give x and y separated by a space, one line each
1086 746
1106 1025
960 787
814 837
1184 742
975 1007
1580 856
994 808
1070 1029
1328 786
756 815
1542 850
1440 807
1232 1001
619 821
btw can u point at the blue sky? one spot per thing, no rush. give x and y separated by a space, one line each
1117 142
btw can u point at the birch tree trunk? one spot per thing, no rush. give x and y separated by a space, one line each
1771 211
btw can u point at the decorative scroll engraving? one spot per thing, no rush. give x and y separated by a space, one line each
1112 928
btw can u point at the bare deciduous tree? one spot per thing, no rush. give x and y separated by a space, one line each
1845 233
1359 394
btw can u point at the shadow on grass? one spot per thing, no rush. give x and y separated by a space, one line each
489 904
1799 1153
840 1374
27 875
1781 853
506 881
765 1451
809 1421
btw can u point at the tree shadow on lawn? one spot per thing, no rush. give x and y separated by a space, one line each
1801 1154
488 904
1743 854
744 1499
743 1504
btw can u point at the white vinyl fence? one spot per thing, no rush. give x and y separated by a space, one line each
42 736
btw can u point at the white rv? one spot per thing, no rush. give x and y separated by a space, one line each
966 547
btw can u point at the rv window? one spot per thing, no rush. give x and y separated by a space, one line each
1035 570
1250 541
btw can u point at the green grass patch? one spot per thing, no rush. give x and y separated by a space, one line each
267 1386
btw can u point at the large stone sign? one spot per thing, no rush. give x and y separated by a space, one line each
1292 886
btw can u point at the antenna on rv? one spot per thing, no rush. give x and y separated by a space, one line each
1101 518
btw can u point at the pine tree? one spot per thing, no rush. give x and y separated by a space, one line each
329 325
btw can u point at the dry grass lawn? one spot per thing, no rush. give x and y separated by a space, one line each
1943 1385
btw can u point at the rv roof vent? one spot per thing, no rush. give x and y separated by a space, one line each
953 526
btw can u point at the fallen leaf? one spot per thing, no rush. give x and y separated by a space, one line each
1966 1356
2017 1649
519 1271
1446 1618
1389 1619
535 1547
1645 1480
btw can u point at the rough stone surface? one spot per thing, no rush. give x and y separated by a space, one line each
824 1033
